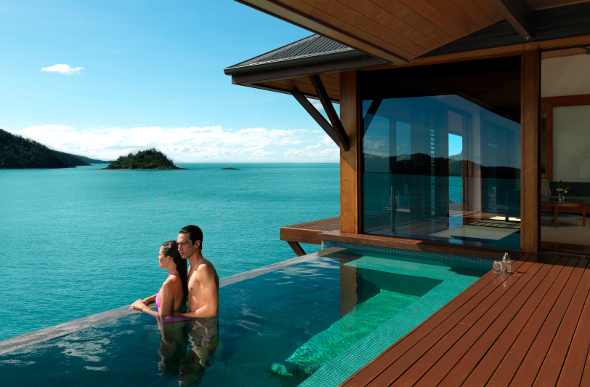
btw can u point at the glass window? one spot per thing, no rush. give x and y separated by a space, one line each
441 153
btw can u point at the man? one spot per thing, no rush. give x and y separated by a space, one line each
203 304
203 282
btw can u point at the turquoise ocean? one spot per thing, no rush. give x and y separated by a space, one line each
75 242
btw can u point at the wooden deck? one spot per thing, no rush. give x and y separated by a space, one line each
522 329
529 328
308 232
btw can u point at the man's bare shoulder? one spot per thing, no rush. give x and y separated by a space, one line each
206 271
205 267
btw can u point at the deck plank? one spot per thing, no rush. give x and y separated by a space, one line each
548 291
528 371
556 358
445 354
460 360
403 354
490 347
573 367
529 328
494 357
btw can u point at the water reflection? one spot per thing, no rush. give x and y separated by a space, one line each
173 347
188 363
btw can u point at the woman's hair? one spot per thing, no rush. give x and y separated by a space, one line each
170 249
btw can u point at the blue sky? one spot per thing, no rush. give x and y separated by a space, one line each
103 78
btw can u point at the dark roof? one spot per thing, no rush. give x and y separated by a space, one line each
318 52
311 50
553 23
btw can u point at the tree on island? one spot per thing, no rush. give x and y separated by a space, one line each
147 159
18 152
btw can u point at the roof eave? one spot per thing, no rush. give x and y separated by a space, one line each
310 65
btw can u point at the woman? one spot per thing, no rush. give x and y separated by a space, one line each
173 293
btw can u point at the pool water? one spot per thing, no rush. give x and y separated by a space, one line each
314 320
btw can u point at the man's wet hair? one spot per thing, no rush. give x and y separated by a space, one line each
194 233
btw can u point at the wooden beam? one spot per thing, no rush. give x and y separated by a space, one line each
549 142
567 100
297 248
320 90
316 115
518 14
530 231
350 161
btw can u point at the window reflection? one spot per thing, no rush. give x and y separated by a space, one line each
441 153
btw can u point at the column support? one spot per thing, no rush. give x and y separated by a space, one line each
350 160
530 233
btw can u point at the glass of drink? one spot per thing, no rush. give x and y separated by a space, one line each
497 267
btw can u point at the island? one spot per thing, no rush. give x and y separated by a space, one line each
17 152
147 159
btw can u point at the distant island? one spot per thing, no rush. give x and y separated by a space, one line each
147 159
229 169
17 152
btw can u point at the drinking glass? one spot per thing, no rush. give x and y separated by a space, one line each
497 267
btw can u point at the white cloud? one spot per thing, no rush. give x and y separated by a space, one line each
377 148
313 155
62 69
317 104
327 140
189 144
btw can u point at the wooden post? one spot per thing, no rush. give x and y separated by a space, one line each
350 171
297 249
530 233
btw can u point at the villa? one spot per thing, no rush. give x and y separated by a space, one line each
463 137
487 97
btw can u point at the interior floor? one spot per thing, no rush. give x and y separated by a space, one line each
492 230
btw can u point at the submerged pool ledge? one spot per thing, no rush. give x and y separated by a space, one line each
63 329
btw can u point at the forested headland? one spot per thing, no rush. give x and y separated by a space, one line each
17 152
147 159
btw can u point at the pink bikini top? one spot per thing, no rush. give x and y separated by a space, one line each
169 319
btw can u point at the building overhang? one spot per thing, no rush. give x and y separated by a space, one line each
400 31
394 34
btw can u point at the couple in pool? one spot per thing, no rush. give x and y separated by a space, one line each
198 288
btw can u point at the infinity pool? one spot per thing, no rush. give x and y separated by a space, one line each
313 320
